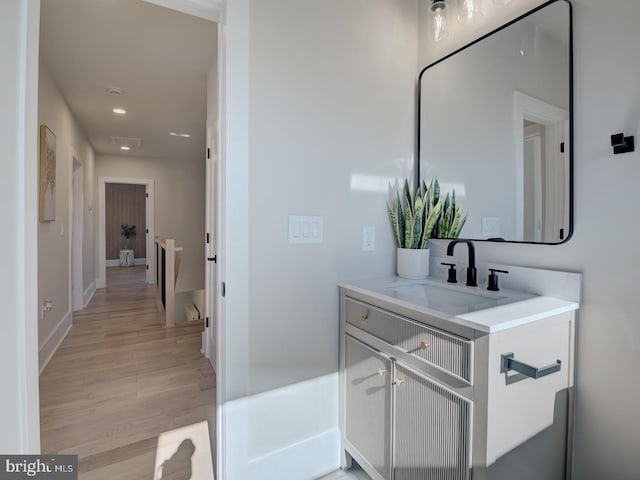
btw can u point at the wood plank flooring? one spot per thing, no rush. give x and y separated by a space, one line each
119 380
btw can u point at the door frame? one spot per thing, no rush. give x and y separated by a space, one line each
553 119
27 368
101 281
76 237
211 274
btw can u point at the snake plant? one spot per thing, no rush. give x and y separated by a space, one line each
417 218
451 221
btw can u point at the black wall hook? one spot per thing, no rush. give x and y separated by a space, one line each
622 144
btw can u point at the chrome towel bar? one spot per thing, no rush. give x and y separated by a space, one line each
507 362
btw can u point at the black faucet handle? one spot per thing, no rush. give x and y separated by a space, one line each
452 272
493 279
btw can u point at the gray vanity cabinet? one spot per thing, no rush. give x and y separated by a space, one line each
400 419
430 423
424 398
368 404
431 429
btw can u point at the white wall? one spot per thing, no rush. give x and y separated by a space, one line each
607 100
54 237
331 102
18 216
179 205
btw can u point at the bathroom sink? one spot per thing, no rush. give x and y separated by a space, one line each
448 298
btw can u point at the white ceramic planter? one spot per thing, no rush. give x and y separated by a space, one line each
413 263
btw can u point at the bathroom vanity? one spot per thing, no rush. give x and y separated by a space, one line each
444 381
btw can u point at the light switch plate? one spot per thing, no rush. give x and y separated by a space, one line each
368 239
490 227
305 229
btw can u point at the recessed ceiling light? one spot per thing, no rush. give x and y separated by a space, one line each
125 147
173 134
185 135
119 111
113 90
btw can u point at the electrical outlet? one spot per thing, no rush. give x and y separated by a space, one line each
368 239
47 306
490 227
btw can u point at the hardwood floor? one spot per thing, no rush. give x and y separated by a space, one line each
119 380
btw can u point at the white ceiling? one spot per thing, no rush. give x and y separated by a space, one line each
159 57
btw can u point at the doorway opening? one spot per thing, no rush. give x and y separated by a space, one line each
118 357
122 203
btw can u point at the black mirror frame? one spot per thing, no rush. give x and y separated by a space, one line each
571 143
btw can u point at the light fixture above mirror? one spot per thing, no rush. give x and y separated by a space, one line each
439 20
469 11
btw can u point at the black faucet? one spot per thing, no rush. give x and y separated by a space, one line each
471 269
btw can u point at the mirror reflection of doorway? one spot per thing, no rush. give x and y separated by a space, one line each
542 165
534 188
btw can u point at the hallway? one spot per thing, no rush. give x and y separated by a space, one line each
119 380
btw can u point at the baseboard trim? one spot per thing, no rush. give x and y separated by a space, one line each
310 458
115 262
88 294
53 341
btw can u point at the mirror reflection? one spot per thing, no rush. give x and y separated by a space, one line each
495 125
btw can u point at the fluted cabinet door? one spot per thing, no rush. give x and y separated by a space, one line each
368 404
432 430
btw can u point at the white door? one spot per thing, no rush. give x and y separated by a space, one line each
211 237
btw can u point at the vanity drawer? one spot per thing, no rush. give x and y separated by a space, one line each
446 351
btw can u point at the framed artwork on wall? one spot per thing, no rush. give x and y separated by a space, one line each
47 175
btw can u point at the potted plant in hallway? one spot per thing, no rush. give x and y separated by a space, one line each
127 255
417 218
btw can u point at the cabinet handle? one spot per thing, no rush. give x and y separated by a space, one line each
424 345
363 318
398 381
382 371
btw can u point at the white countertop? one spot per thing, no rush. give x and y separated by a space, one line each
493 311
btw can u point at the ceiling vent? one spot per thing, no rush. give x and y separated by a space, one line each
126 141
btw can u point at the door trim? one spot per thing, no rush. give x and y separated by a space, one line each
76 237
553 118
